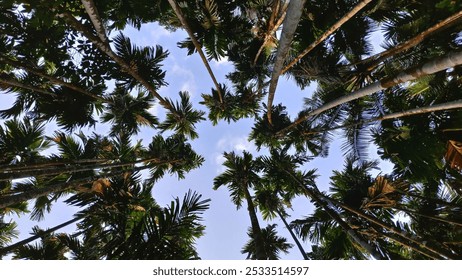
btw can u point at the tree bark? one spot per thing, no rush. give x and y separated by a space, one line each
329 31
409 245
294 237
52 79
92 12
8 249
293 15
13 83
326 205
71 169
256 229
271 30
325 201
39 192
380 57
106 48
198 47
422 110
374 220
433 66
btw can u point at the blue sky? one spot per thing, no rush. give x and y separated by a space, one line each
226 227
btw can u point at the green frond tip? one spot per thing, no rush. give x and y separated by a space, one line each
239 176
127 112
183 117
146 61
244 103
174 155
274 244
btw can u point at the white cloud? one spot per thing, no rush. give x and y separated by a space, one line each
228 144
237 144
222 62
155 109
188 82
219 159
158 32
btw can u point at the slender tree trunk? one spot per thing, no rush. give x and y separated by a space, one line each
13 83
197 45
51 164
327 206
92 12
106 48
293 15
439 251
433 66
294 237
39 192
321 198
437 28
444 220
8 249
329 32
271 29
5 175
52 79
422 110
256 229
409 245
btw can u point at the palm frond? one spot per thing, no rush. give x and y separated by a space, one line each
183 117
146 61
127 113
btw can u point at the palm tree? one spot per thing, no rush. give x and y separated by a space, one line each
127 112
270 205
212 8
328 32
240 177
284 166
49 248
293 15
273 244
428 68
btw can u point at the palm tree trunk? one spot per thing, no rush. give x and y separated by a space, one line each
106 48
327 206
256 229
8 249
439 251
52 79
422 110
39 192
271 29
325 201
380 57
293 15
11 174
436 218
294 237
409 245
13 83
92 12
329 31
198 47
433 66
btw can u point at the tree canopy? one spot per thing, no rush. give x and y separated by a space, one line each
71 66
